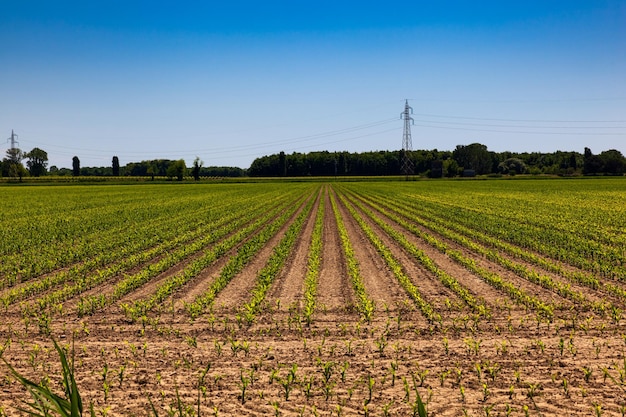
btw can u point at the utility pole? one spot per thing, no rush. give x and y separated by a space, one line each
13 139
407 146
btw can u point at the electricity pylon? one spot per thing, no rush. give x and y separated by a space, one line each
407 146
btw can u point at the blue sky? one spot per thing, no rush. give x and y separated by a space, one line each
231 81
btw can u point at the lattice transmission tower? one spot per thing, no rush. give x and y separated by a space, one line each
407 145
13 139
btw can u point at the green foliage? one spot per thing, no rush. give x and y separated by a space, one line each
37 162
177 169
47 403
365 304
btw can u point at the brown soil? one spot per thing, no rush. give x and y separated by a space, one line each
340 365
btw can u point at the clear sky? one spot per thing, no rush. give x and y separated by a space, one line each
229 81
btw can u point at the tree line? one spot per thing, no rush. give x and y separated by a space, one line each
465 160
37 165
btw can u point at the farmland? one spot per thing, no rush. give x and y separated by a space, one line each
313 298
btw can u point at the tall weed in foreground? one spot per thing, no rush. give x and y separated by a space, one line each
45 402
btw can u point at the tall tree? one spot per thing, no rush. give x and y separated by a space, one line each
177 169
37 162
12 163
116 166
613 162
474 156
195 171
592 164
282 164
75 166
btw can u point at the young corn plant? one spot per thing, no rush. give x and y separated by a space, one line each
44 401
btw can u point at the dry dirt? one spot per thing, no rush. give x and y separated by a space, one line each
510 364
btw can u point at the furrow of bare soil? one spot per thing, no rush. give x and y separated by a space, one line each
380 283
433 288
238 290
146 289
443 300
335 295
543 294
150 287
593 295
69 305
288 287
334 289
476 284
108 286
76 264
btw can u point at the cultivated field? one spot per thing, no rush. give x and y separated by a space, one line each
485 298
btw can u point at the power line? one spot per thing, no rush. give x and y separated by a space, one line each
525 132
291 140
520 120
524 126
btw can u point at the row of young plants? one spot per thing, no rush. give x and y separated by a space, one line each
405 281
413 214
174 283
67 225
492 278
90 304
477 304
365 304
566 245
55 240
244 255
130 227
165 254
314 261
274 264
573 275
177 231
547 264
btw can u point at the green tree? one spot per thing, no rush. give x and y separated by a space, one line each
282 164
450 168
195 170
512 166
613 162
37 162
474 156
115 165
12 164
75 166
177 169
592 164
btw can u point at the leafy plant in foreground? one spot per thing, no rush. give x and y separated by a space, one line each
47 403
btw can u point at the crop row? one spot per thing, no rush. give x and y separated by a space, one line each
313 262
476 304
209 256
519 269
237 262
106 265
119 229
274 264
445 226
365 304
424 306
88 305
564 244
488 276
